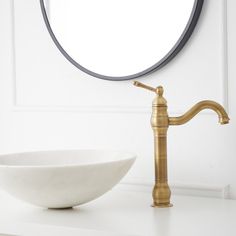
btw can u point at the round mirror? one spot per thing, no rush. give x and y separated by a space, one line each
120 39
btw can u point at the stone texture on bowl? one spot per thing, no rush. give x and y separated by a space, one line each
62 179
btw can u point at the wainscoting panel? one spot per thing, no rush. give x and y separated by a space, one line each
46 81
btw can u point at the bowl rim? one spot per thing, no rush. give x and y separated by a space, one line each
132 156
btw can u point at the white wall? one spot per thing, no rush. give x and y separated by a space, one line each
47 103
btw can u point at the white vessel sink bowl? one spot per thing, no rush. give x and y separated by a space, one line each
62 179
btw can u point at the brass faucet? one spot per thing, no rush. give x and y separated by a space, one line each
160 122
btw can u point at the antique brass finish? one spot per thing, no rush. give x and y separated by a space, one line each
207 104
160 122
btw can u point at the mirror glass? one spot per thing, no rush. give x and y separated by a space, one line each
120 39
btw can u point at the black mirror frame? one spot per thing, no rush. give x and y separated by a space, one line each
167 58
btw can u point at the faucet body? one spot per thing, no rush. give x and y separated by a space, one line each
160 122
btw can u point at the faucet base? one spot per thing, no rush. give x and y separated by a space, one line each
162 205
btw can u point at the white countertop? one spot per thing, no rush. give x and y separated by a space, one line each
121 213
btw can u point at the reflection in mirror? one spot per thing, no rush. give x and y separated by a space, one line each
120 39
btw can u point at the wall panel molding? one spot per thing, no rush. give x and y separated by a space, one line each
225 55
117 109
212 191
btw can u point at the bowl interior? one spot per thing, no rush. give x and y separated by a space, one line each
63 158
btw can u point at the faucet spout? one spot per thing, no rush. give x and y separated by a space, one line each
207 104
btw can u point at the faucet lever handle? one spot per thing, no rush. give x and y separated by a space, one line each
158 90
141 85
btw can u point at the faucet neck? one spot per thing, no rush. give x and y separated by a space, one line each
207 104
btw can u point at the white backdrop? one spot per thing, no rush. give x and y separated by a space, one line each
47 103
